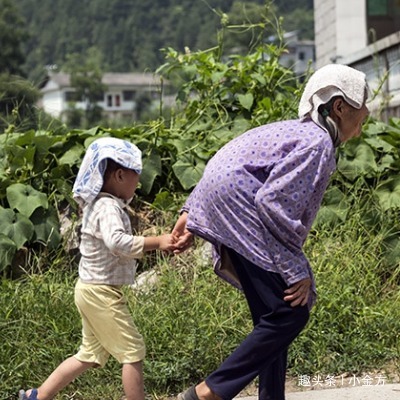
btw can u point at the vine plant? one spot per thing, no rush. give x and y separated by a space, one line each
218 98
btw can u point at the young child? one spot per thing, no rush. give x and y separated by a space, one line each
104 187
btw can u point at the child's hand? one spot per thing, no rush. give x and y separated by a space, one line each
167 242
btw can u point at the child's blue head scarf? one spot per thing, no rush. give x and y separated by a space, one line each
89 180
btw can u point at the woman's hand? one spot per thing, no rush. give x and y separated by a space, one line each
298 293
182 237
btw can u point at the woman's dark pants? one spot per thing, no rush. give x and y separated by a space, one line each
263 352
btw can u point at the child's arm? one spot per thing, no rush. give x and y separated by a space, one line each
162 242
123 244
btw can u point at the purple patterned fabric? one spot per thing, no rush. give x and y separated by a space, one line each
261 192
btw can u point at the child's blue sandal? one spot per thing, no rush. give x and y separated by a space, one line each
33 396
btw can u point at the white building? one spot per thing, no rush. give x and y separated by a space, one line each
121 97
364 34
340 29
299 54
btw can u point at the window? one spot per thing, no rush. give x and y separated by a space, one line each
129 95
383 18
100 97
377 7
71 97
113 100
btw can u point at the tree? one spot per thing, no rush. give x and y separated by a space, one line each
86 78
12 35
130 33
17 102
302 21
17 95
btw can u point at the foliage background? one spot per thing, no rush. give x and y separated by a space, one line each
130 33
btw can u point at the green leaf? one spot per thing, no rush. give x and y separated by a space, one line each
190 71
16 226
183 144
375 128
25 198
223 135
47 227
21 157
246 100
151 169
334 208
200 126
377 143
164 201
260 78
217 76
72 156
240 125
188 171
385 162
388 193
392 250
358 160
7 251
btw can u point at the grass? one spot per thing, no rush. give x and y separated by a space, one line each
354 323
191 320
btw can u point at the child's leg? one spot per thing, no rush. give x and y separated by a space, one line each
132 380
64 374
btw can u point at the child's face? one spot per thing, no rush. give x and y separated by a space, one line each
128 184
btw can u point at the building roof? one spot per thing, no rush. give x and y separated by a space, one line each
132 78
62 80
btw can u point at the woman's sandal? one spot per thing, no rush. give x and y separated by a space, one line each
189 394
33 396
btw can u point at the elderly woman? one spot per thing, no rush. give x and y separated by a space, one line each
256 203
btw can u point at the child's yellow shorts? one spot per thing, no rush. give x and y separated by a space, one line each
107 326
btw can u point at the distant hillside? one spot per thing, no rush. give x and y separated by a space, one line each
130 33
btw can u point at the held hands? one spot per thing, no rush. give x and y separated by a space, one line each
166 242
298 293
176 242
183 238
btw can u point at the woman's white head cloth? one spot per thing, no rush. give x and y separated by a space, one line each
330 81
89 180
